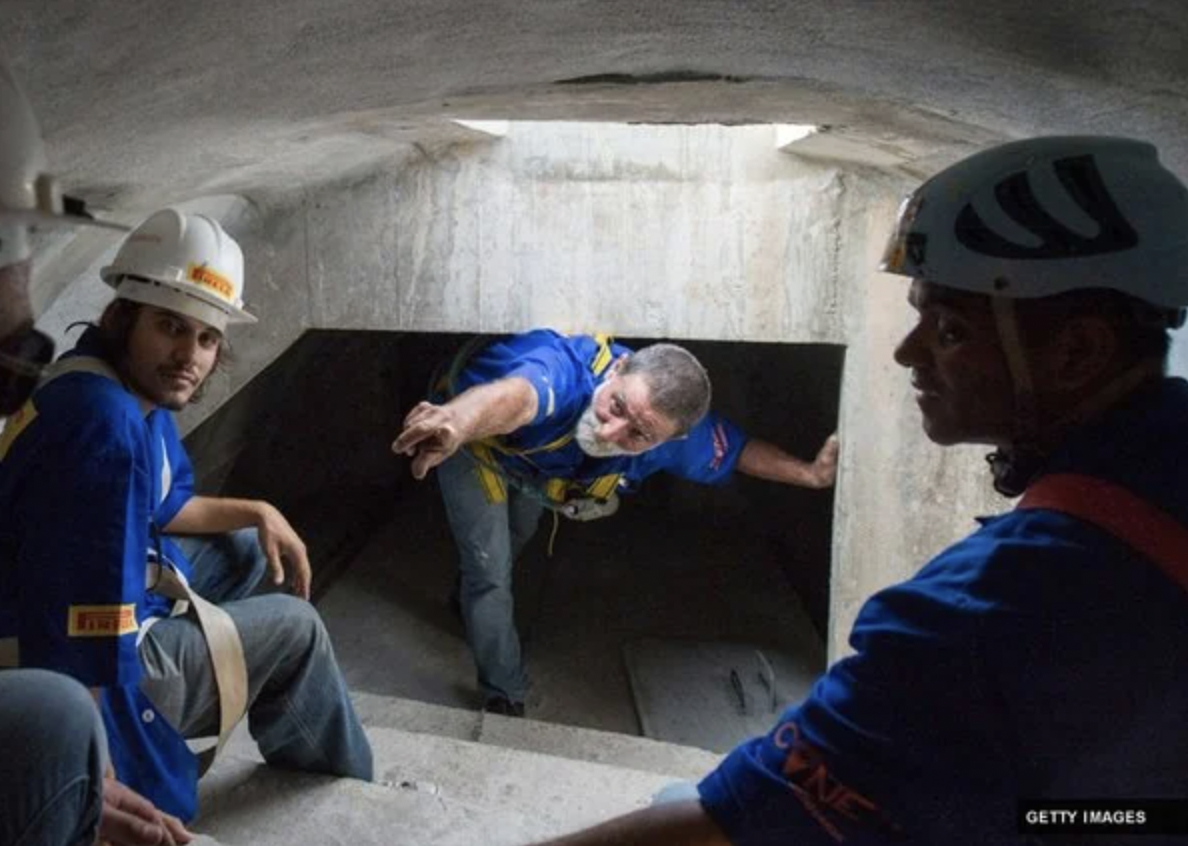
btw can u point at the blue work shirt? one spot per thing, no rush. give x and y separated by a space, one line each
1039 658
81 484
559 369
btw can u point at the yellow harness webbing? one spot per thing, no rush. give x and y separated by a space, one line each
492 477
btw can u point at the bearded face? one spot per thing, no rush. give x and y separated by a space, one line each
586 432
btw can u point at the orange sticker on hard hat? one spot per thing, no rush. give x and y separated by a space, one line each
101 620
207 277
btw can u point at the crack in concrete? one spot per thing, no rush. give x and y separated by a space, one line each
661 78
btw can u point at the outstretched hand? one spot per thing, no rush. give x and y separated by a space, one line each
823 470
431 434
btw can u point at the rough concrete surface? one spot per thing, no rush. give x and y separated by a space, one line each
242 98
274 808
434 789
637 575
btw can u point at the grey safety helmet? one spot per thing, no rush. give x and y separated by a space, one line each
1044 216
29 194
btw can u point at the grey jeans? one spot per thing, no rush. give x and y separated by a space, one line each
299 710
489 538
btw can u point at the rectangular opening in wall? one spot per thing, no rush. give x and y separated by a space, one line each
747 562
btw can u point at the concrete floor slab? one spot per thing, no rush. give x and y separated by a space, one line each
639 574
713 694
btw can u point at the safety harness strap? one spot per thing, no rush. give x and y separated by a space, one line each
1144 527
224 647
492 477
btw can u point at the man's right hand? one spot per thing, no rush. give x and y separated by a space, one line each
128 819
431 434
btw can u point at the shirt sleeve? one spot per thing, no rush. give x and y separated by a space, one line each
81 560
783 788
707 455
891 740
556 379
181 488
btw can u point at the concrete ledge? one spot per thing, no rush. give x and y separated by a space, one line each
570 742
428 790
276 808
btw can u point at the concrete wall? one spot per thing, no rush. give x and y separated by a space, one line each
682 232
703 232
900 498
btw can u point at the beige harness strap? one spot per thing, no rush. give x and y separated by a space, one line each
223 645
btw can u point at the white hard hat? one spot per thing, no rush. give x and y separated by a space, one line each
29 195
185 263
1043 216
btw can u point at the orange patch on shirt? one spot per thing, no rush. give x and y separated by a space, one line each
101 620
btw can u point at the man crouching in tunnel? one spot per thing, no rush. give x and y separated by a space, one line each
541 420
1045 657
117 565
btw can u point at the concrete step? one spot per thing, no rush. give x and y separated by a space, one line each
429 790
252 805
572 742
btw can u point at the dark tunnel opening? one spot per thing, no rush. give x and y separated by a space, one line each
747 561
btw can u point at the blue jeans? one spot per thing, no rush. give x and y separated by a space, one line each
299 709
51 770
489 538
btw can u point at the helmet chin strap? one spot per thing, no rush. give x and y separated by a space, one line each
1015 466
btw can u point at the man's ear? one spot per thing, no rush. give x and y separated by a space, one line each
108 317
1083 351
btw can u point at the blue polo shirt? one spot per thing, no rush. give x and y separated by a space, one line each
1039 658
558 368
83 482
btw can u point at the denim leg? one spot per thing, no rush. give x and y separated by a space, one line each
523 518
226 566
482 534
299 710
51 771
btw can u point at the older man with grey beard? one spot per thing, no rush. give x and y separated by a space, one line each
543 420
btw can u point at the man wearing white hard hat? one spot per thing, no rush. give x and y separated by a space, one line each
179 649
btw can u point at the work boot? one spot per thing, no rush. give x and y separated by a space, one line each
503 706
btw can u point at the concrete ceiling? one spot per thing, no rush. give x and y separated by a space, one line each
152 101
